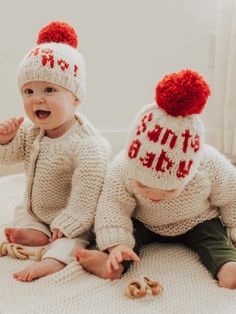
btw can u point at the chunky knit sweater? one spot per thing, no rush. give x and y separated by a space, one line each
211 193
64 175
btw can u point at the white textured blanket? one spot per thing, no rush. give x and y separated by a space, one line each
188 287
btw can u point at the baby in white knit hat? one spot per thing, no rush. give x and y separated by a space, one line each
168 186
64 156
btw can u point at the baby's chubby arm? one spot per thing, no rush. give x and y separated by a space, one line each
9 128
90 160
118 254
113 222
222 175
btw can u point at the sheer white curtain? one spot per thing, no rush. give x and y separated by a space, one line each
224 101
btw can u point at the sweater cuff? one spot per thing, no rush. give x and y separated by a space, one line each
108 237
67 224
231 233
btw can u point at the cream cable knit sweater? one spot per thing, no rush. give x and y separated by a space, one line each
64 175
211 193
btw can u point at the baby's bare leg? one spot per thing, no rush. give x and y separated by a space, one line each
26 236
227 275
94 262
39 269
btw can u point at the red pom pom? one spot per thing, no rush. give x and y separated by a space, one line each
182 94
58 32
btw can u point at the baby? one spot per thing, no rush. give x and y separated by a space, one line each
65 157
168 186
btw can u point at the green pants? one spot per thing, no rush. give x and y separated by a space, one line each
208 239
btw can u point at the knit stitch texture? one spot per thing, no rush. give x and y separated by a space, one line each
210 193
188 286
64 175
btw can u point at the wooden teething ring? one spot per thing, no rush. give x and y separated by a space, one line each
140 287
19 251
153 286
135 288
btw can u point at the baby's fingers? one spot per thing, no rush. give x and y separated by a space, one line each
134 257
60 234
54 235
9 126
130 255
19 122
119 257
109 266
114 263
3 130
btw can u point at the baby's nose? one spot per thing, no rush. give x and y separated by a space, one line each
38 99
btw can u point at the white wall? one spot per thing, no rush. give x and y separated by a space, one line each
128 46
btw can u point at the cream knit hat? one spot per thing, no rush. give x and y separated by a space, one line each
166 141
55 59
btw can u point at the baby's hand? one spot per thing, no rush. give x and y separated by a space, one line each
56 234
8 129
118 254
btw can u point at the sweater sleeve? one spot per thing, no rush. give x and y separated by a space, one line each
14 151
113 224
91 164
223 189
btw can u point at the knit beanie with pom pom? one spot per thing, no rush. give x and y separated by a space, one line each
166 140
55 59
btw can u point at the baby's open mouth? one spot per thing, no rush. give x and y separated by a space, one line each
42 114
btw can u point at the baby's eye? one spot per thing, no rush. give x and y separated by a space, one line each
50 89
28 91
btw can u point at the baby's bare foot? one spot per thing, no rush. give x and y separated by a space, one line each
94 262
39 269
26 236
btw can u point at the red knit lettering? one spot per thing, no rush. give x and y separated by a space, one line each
142 128
154 134
196 143
164 163
47 56
76 70
186 136
148 160
166 136
183 170
63 64
34 52
134 149
47 51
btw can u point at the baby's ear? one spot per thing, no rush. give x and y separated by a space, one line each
77 101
